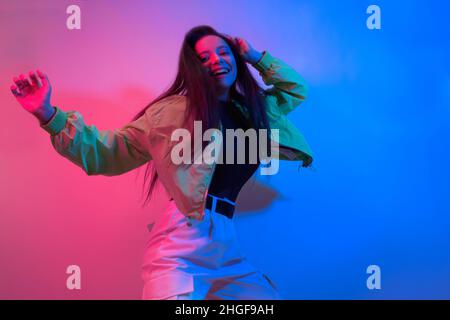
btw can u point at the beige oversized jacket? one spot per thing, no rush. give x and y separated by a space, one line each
113 152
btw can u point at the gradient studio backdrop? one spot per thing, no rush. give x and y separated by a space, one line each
377 118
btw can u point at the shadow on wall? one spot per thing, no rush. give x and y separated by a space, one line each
255 196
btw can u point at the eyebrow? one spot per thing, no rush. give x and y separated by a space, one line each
219 47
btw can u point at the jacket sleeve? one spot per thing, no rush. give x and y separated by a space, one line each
105 152
289 88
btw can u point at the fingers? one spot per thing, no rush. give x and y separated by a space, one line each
35 80
15 91
237 41
19 82
43 77
23 84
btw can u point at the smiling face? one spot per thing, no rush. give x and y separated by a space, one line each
218 60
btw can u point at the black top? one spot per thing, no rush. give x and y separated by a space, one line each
228 179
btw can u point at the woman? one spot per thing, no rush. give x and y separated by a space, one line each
192 251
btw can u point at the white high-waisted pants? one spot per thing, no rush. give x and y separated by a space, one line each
190 259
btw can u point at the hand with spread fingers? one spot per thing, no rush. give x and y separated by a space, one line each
246 51
33 94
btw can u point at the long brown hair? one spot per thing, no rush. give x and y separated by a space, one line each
194 82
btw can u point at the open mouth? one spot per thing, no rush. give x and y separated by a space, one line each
220 72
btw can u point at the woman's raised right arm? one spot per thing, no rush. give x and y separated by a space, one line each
97 152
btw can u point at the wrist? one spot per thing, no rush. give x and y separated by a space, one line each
44 115
255 57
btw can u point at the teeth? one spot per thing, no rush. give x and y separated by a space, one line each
221 71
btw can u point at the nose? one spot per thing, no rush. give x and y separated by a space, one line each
215 58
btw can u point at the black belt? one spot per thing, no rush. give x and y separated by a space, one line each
223 207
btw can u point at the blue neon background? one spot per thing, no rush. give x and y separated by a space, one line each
378 120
